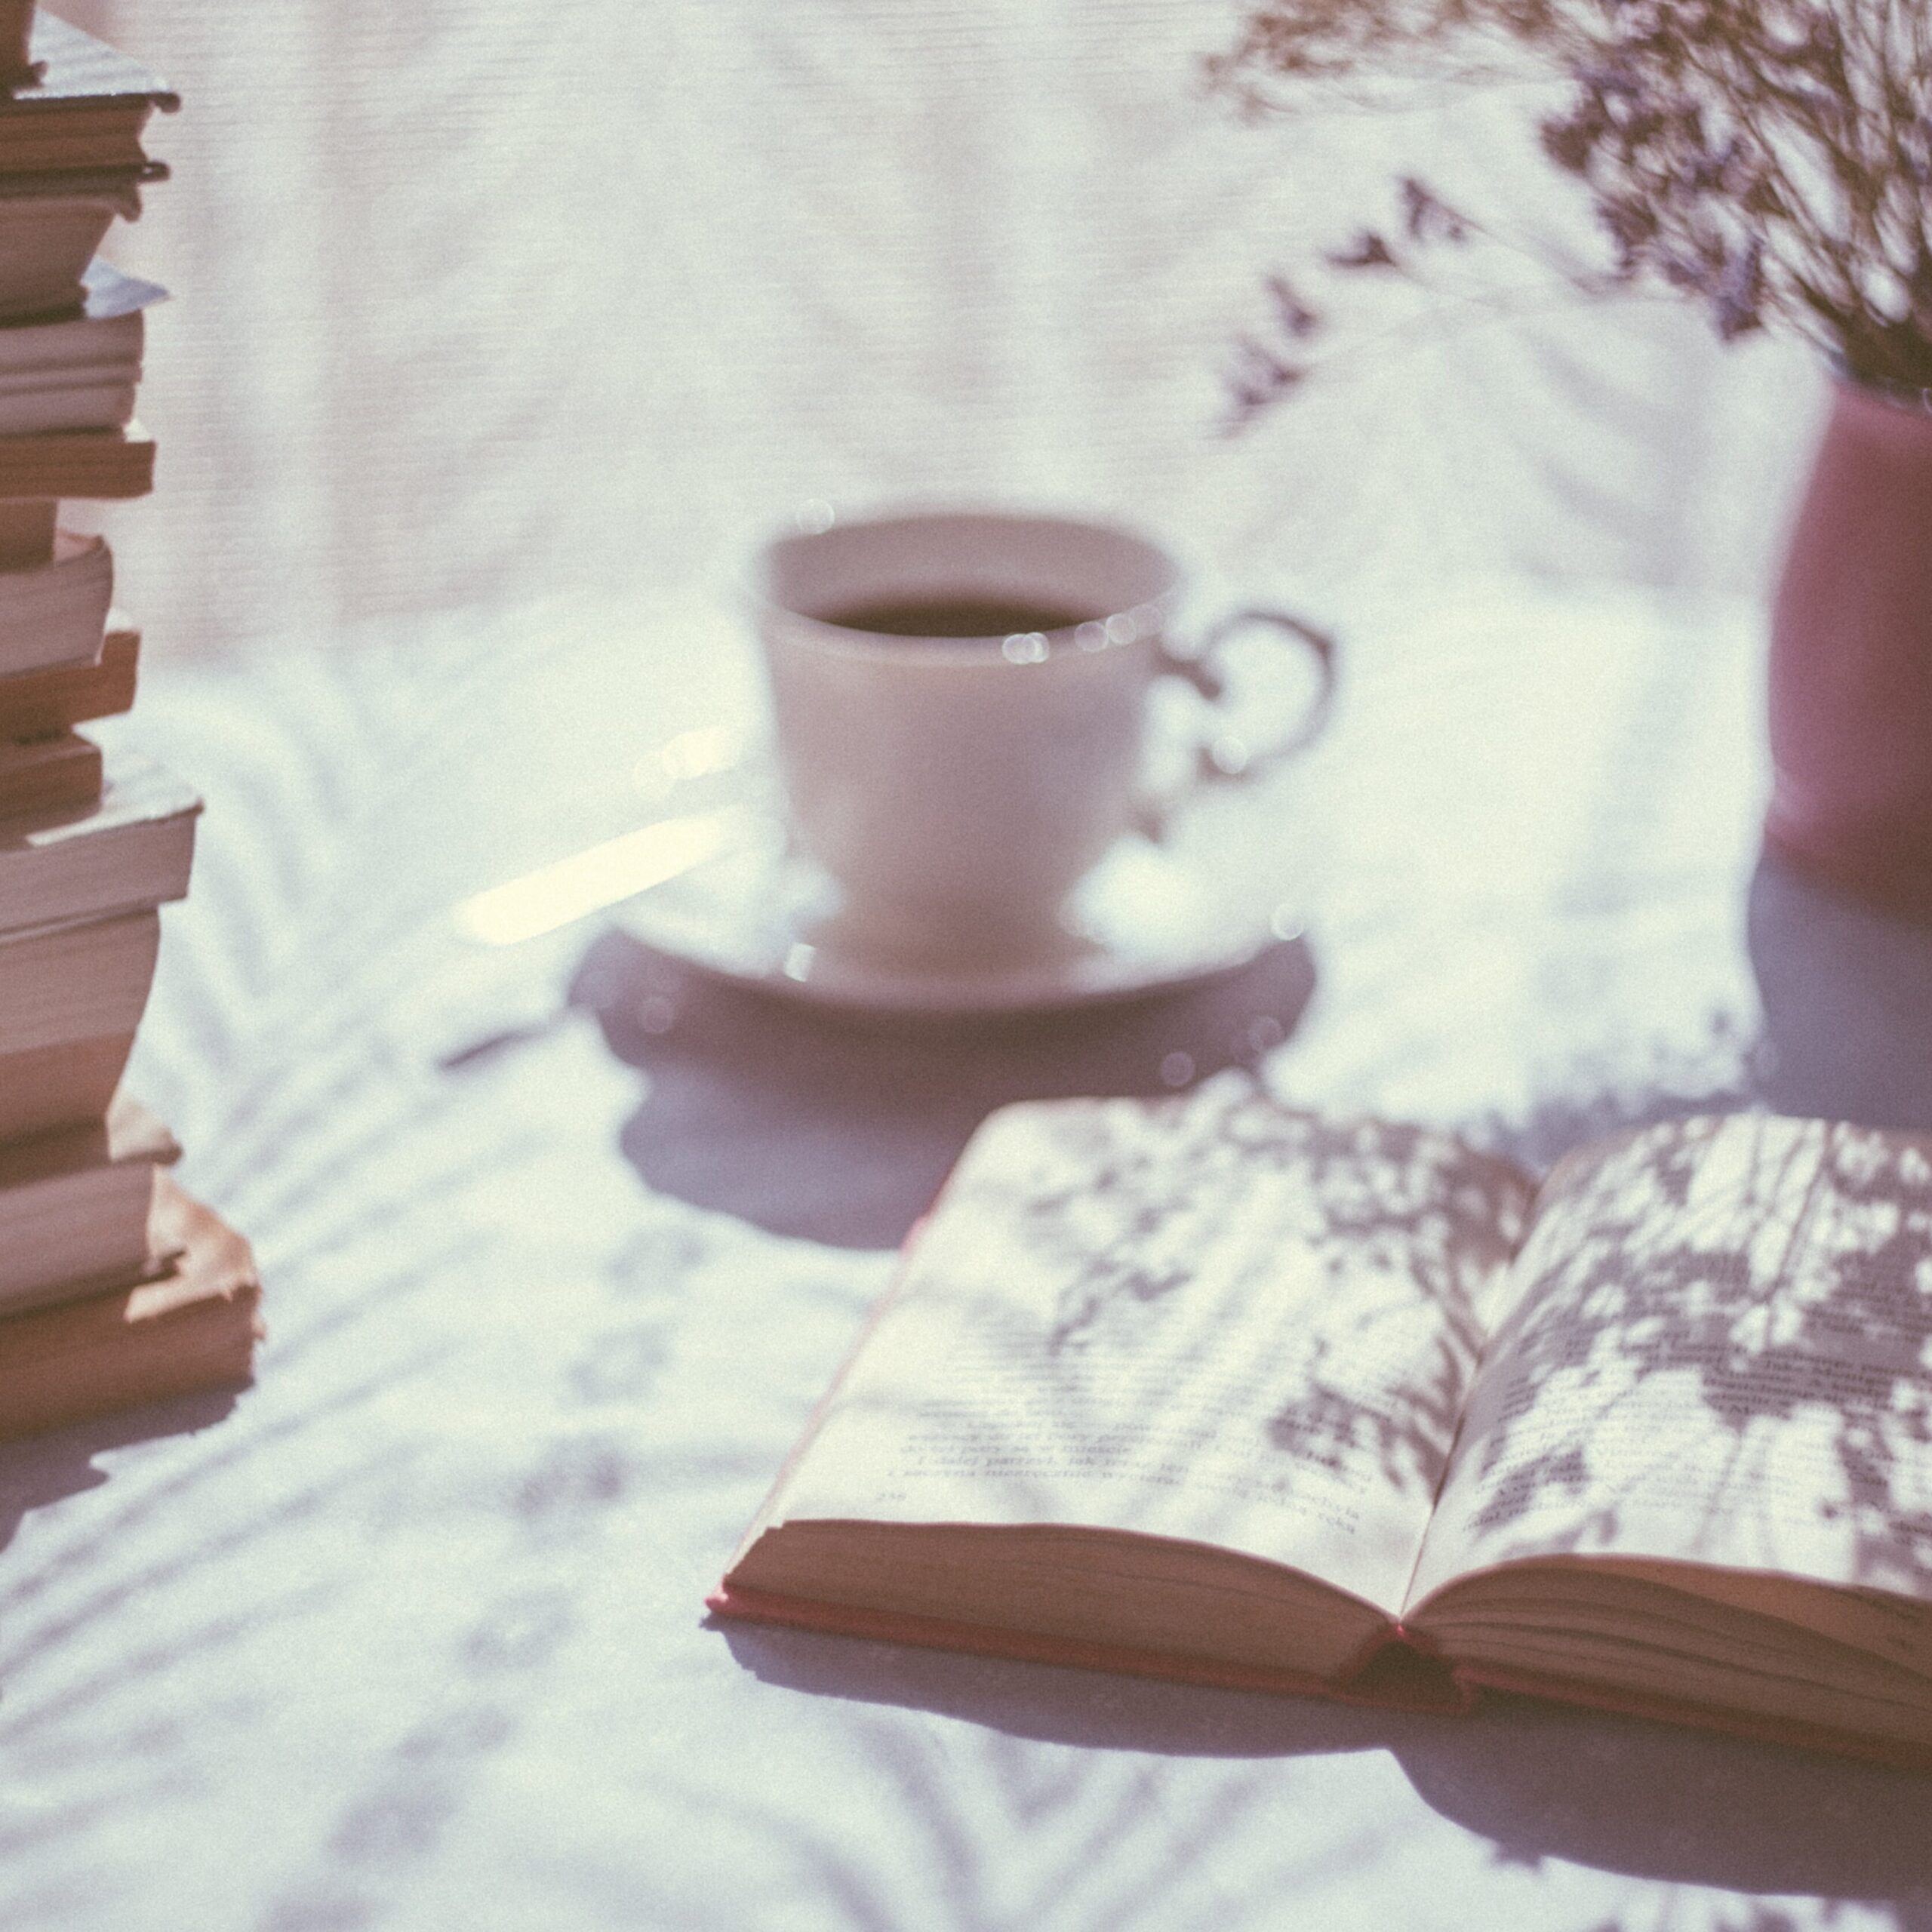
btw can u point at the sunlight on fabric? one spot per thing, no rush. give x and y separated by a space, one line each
601 876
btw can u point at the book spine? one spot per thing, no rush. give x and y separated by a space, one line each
1399 1668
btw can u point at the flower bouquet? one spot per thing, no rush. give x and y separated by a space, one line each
1771 161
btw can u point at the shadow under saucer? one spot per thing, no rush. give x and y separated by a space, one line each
840 1127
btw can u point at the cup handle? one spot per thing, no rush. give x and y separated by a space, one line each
1223 758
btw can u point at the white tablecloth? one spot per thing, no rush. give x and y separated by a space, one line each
411 1635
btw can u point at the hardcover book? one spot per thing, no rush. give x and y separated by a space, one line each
192 1325
56 612
50 226
83 106
41 704
132 847
80 372
99 465
16 30
1213 1390
71 999
48 773
76 1207
26 531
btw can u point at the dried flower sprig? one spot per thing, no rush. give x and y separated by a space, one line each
1770 159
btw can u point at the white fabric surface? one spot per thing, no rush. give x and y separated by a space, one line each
484 302
413 1637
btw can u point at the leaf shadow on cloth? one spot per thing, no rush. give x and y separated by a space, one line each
1538 1781
1845 991
41 1470
841 1128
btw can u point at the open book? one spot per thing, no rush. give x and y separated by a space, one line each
1209 1389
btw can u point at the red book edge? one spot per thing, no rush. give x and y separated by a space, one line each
1370 1683
1791 1733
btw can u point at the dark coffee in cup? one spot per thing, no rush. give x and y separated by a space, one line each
956 618
955 789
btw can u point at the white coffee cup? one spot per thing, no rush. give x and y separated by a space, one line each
960 704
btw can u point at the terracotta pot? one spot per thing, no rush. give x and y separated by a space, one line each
1851 659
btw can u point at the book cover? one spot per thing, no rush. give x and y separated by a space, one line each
193 1324
49 774
56 612
94 464
117 190
71 998
80 372
16 64
41 704
76 1207
82 104
132 847
49 227
26 532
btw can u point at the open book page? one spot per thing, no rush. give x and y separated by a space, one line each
1720 1353
1210 1319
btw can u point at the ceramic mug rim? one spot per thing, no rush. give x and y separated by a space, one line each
1139 620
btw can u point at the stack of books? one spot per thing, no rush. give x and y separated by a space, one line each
115 1287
